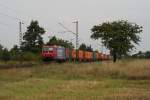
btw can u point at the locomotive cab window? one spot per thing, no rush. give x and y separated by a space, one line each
47 49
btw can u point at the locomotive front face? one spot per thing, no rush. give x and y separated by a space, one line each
48 52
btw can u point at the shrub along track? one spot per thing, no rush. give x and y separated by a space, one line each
9 65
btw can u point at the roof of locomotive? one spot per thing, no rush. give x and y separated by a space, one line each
51 46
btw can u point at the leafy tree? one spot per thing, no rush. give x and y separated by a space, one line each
15 53
52 41
118 36
5 55
147 54
33 40
1 47
1 51
89 48
15 49
60 42
141 54
85 48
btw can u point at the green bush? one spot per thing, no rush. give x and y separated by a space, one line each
5 55
28 56
18 55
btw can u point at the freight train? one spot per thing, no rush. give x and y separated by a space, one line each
59 53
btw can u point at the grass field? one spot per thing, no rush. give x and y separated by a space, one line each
125 80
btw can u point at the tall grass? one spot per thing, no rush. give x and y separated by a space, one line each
134 69
131 70
124 80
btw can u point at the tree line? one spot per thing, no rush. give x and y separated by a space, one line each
141 55
120 37
32 43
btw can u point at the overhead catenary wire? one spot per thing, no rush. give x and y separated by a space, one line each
9 16
68 30
12 17
8 8
4 24
7 26
20 20
18 12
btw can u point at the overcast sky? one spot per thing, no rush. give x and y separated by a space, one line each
88 12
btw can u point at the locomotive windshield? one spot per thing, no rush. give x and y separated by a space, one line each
47 49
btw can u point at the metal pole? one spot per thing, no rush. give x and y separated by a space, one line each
20 33
102 48
77 38
77 35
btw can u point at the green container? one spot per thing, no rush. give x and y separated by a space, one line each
94 56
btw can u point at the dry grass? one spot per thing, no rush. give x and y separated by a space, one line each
124 80
133 69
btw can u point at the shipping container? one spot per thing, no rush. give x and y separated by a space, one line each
100 56
88 56
97 56
67 54
80 55
73 54
61 53
85 55
94 56
108 57
104 56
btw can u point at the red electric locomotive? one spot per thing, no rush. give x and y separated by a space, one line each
55 53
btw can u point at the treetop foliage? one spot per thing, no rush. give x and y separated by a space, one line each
119 36
85 48
60 42
5 55
141 54
1 47
33 40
